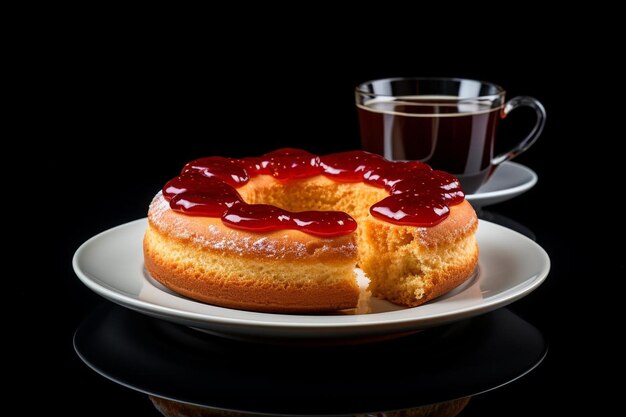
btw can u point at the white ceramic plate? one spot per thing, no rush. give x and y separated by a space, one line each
510 266
508 181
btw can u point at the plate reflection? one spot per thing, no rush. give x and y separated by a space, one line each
190 373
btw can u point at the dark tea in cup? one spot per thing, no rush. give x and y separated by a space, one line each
450 124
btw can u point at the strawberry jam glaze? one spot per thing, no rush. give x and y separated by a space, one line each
418 195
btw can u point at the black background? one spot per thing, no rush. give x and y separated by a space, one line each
122 116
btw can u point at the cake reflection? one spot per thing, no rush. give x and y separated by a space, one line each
430 373
170 408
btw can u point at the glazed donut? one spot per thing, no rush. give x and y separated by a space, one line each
279 233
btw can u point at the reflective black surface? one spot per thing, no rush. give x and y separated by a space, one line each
432 366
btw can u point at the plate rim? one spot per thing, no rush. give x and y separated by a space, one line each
513 191
330 322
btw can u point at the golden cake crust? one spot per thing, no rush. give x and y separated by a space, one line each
211 234
256 295
201 258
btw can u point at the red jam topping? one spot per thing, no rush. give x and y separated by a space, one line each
418 196
227 170
266 218
349 166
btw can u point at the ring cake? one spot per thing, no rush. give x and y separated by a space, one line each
278 233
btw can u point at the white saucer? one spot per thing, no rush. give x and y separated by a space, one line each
510 266
508 181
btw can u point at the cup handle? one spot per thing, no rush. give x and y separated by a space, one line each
526 143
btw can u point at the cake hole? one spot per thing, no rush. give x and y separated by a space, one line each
406 239
313 246
304 195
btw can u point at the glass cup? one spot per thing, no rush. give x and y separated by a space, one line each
448 123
